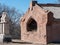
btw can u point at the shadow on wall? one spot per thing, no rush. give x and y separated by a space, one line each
53 29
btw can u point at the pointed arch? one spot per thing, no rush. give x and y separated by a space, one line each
50 18
31 25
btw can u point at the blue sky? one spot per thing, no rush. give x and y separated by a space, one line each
22 5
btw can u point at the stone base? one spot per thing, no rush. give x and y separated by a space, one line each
1 38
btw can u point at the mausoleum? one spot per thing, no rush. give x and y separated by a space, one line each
41 23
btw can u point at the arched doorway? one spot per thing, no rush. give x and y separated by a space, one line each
31 25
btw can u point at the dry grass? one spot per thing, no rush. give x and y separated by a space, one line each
19 42
23 44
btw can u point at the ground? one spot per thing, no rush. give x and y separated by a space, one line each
19 42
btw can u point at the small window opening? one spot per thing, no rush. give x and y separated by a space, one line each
31 25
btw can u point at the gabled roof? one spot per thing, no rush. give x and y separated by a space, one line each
48 4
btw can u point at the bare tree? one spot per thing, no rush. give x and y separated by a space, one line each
14 17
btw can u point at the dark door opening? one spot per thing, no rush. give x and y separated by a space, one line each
31 25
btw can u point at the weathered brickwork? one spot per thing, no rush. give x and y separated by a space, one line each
38 25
